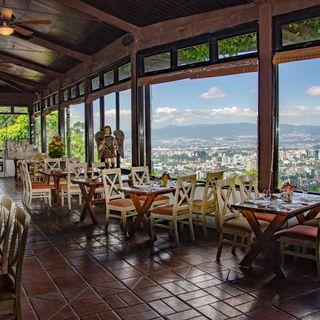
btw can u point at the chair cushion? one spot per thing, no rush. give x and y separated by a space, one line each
7 284
197 206
143 197
123 203
40 185
265 216
168 211
240 223
301 232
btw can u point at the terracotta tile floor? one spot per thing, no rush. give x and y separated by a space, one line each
78 271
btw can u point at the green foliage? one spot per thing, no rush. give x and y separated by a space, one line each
302 31
14 128
77 139
233 46
193 54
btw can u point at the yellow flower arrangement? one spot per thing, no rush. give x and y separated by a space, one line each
56 147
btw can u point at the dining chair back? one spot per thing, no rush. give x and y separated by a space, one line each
96 168
72 160
52 163
208 204
140 175
11 280
249 187
7 213
112 182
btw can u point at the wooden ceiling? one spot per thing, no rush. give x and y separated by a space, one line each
79 29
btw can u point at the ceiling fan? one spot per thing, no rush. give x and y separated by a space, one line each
9 23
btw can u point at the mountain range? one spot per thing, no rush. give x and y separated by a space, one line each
207 131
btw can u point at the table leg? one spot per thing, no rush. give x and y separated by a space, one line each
56 181
87 205
263 241
142 210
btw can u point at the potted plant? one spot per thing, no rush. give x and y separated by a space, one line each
56 147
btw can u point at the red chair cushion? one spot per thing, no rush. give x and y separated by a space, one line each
265 216
143 197
121 203
168 211
302 232
40 185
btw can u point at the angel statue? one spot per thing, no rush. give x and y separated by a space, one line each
109 146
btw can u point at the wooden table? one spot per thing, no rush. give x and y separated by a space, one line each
143 207
56 175
264 238
88 188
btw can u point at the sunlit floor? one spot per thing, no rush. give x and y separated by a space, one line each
78 271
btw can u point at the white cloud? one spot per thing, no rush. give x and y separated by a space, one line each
314 91
163 116
213 93
299 110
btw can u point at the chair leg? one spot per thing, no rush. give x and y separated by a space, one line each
282 248
204 225
124 221
62 199
220 243
176 232
107 215
152 222
318 258
234 244
69 201
17 308
49 199
191 228
80 199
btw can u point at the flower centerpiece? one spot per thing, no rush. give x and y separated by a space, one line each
287 191
56 147
164 179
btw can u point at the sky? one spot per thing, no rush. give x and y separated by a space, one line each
227 99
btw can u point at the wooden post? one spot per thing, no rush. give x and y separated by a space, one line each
61 122
43 129
102 110
31 126
117 97
140 125
88 115
266 99
147 119
134 106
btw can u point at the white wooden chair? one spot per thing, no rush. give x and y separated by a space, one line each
10 281
7 213
301 241
96 170
34 190
249 191
52 163
140 175
207 206
179 211
75 171
117 206
230 221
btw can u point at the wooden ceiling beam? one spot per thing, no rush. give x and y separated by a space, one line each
13 85
102 16
34 85
58 48
29 65
17 99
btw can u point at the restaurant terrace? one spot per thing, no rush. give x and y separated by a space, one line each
159 159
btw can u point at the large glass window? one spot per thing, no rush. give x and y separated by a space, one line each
299 129
51 126
96 125
205 125
237 46
76 131
110 110
124 72
301 31
125 125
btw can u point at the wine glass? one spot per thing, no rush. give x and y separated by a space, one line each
304 186
266 196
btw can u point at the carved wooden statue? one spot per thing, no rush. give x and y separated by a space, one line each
119 135
107 147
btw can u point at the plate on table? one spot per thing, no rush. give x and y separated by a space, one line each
290 206
261 202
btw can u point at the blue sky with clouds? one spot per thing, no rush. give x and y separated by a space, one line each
228 99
